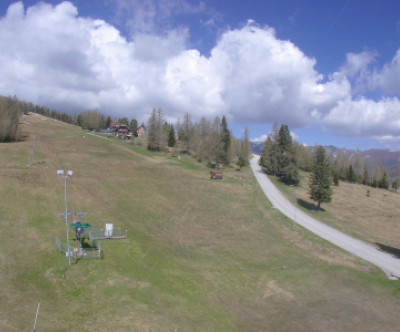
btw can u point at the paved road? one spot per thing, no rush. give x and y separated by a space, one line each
389 264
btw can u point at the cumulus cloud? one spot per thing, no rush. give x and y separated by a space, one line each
387 79
50 55
362 117
260 139
365 117
357 63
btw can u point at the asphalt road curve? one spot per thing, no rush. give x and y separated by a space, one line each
388 263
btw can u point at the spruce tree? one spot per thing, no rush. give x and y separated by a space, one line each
320 178
79 120
287 169
133 127
268 157
384 183
225 141
108 122
171 136
351 176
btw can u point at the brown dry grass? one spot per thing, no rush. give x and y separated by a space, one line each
372 218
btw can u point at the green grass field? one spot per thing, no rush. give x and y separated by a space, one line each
201 255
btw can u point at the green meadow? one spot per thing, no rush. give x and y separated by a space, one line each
201 255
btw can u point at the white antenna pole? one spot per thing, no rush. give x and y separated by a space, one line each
37 313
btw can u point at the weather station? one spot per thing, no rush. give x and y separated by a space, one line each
83 249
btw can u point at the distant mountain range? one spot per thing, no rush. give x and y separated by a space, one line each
389 159
256 148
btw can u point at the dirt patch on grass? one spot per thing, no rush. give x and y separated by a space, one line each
273 289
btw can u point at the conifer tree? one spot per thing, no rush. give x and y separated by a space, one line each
133 127
384 183
351 176
108 121
171 136
225 141
79 120
287 169
268 158
320 178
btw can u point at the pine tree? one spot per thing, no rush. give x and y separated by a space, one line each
384 183
79 120
287 169
133 126
335 178
225 141
108 122
171 136
269 155
320 178
351 176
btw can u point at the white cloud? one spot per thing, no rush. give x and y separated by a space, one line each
50 55
365 118
53 56
357 62
260 139
266 79
387 79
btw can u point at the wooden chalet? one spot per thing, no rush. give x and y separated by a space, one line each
120 130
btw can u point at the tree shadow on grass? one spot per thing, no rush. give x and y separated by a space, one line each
308 205
390 250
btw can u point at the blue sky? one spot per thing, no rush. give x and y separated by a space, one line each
328 69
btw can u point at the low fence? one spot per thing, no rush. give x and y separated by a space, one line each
62 247
94 252
101 234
